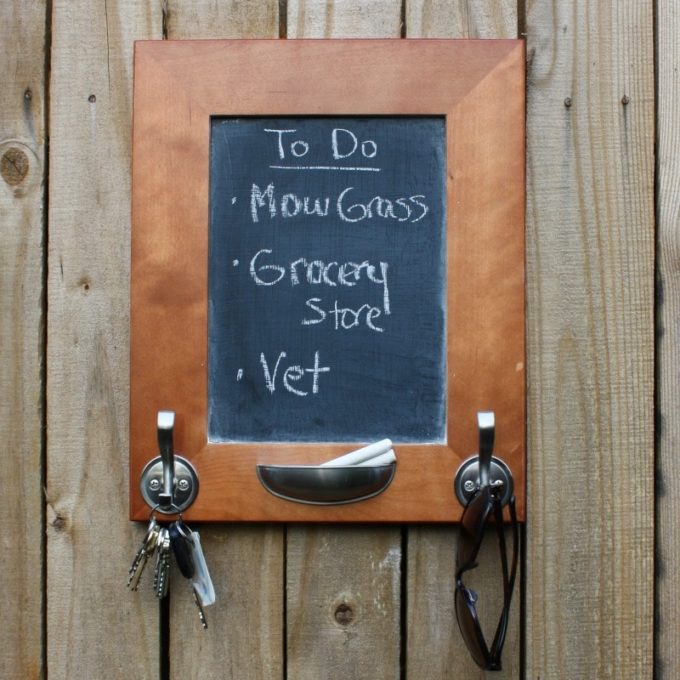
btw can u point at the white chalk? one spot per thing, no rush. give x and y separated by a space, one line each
363 454
382 459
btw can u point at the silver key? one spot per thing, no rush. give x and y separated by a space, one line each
145 552
201 583
161 575
201 613
201 579
183 539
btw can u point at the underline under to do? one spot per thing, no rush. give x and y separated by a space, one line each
322 167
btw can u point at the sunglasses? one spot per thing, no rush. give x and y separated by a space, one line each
487 500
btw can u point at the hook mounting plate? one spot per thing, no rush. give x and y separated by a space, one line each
467 479
185 486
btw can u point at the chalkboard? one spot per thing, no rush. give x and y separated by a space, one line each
327 279
340 242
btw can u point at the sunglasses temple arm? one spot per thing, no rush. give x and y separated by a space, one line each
508 580
486 424
515 545
500 530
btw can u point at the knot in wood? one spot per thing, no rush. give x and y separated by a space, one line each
344 614
14 166
59 523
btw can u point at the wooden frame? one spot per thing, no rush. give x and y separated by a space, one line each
479 87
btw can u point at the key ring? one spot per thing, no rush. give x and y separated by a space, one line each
171 509
184 530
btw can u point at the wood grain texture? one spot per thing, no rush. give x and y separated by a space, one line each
96 628
343 583
192 20
343 602
668 347
433 642
344 19
22 161
245 638
461 19
590 262
590 359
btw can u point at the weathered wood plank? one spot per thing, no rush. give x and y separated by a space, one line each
344 19
343 597
96 628
186 19
343 583
460 19
22 160
668 229
590 262
433 642
244 640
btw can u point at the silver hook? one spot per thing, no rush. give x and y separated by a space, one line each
169 483
486 423
165 426
483 469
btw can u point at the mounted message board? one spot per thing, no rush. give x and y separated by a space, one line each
326 254
327 280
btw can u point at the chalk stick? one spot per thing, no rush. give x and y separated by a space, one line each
362 454
382 459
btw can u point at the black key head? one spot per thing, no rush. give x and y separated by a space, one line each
181 546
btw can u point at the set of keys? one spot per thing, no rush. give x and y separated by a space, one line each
185 544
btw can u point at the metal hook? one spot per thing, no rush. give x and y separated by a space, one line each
486 423
169 482
483 468
164 427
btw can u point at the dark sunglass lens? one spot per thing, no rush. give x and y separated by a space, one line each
476 510
469 627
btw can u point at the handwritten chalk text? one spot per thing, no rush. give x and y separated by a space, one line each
346 205
292 374
266 272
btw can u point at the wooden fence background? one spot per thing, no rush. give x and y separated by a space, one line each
366 603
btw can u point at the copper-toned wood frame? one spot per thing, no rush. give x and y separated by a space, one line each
479 87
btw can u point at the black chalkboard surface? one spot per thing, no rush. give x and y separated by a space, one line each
327 279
